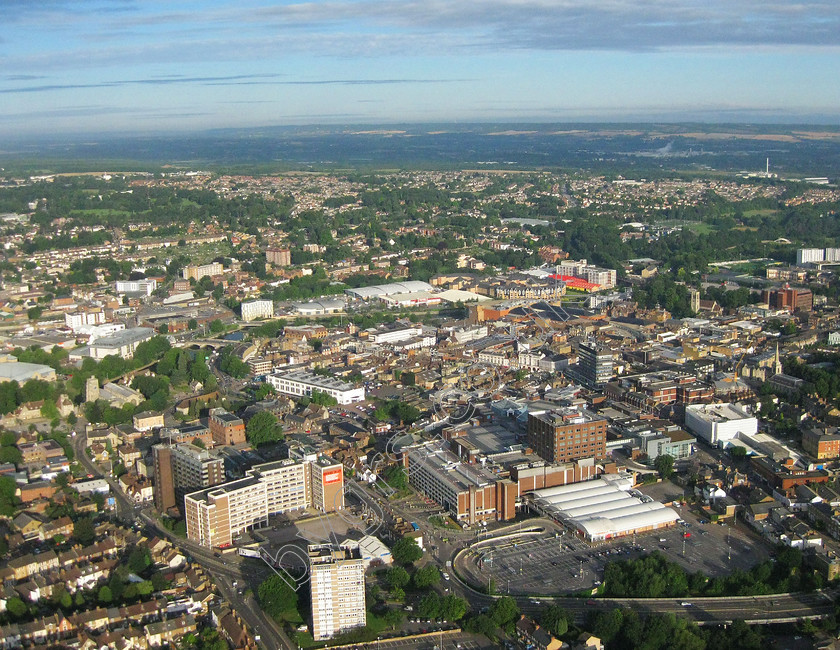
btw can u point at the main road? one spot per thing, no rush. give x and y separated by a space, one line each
224 571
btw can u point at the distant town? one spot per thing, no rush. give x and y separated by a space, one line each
415 409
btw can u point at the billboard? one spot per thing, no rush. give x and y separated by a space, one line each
333 476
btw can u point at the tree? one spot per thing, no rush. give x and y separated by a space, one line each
16 607
164 328
430 605
426 576
555 619
394 617
504 611
104 595
263 428
34 313
276 597
192 324
481 624
217 326
198 442
453 608
664 464
397 577
83 531
406 551
139 560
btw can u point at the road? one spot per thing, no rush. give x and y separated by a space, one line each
708 611
224 570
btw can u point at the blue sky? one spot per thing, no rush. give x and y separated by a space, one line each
88 66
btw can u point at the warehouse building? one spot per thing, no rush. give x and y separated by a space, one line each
379 291
604 508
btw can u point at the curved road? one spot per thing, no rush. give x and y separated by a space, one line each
223 571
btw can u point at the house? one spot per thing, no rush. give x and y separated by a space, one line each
147 420
164 632
532 635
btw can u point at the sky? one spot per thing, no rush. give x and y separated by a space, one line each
142 66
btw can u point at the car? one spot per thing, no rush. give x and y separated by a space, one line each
445 575
686 604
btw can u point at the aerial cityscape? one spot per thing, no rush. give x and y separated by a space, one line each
409 326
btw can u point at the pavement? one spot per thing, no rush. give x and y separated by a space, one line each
224 570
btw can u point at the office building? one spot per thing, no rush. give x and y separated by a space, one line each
257 309
303 382
278 256
567 434
136 287
216 515
226 428
183 468
790 299
337 587
595 364
717 423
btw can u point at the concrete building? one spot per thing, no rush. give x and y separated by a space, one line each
717 423
303 382
198 272
122 344
595 364
136 287
79 319
567 434
257 309
216 515
337 587
226 428
183 468
469 492
278 256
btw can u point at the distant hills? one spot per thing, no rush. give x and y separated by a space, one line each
806 150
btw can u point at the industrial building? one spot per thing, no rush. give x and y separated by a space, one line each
604 508
303 382
377 292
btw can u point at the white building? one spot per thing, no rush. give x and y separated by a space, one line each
395 334
303 382
142 287
257 309
337 586
123 344
717 423
604 508
808 255
79 319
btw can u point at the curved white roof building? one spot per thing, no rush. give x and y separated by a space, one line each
380 290
603 508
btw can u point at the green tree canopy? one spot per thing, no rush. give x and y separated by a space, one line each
406 551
